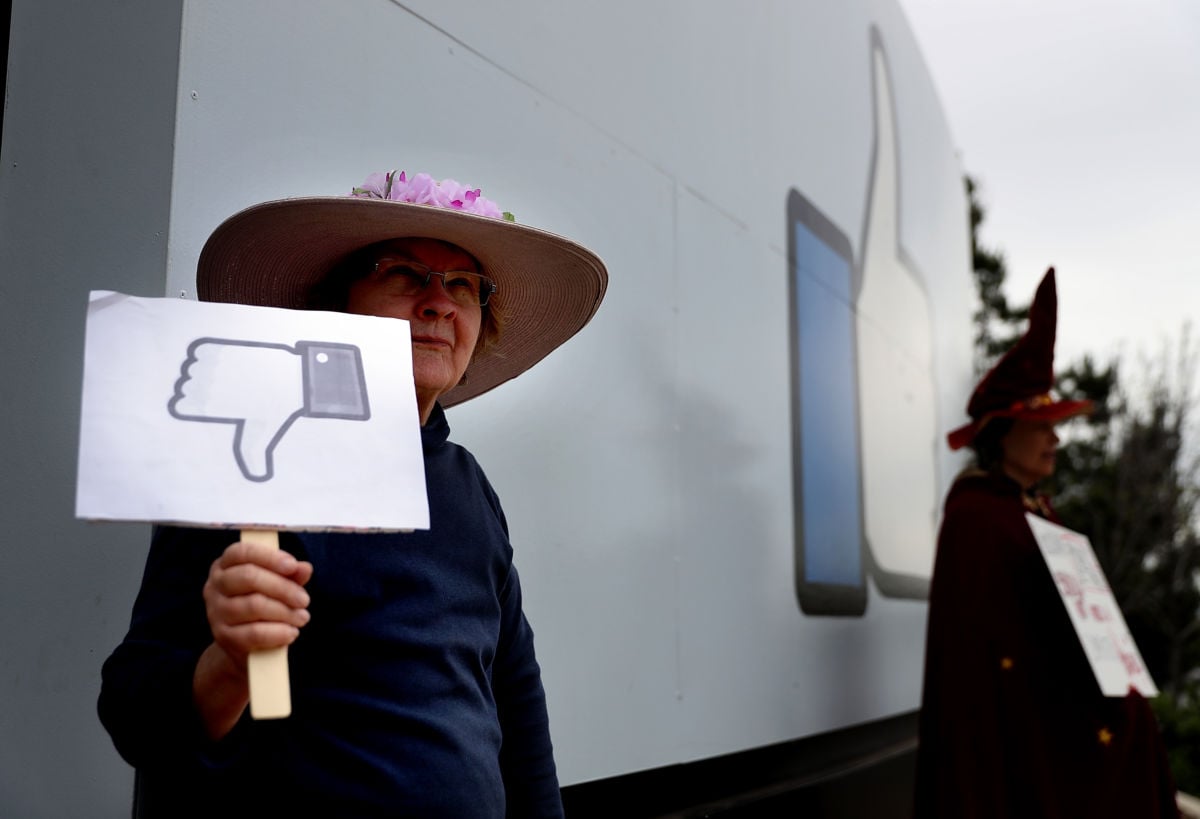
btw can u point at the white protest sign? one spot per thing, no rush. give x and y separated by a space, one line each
248 417
1105 638
253 418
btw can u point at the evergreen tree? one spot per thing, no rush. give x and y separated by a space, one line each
997 324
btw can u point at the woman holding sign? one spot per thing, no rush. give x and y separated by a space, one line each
414 679
1013 722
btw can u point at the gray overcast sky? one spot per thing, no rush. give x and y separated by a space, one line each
1081 121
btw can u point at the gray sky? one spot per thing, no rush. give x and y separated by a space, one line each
1081 121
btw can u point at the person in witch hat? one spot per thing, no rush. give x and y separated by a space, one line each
416 688
1012 721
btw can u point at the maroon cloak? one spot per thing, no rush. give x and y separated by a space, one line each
1012 721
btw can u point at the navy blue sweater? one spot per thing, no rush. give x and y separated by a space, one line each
415 689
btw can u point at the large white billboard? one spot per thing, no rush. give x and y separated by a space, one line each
649 467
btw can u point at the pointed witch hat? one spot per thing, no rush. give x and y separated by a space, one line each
1019 385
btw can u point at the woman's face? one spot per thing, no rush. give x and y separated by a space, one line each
444 331
1029 450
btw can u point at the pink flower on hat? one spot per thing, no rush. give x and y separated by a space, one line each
423 189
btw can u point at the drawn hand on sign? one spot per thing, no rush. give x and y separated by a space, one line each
263 388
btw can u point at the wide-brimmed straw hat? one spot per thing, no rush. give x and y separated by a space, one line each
274 253
1019 385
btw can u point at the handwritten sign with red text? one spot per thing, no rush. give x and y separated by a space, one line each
1105 638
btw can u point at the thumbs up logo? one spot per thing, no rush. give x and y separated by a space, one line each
261 389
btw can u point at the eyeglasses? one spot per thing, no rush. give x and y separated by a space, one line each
408 278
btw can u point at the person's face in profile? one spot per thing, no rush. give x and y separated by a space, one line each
444 314
1029 450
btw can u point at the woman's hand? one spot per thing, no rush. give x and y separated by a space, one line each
255 599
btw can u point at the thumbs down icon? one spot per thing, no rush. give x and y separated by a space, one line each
262 388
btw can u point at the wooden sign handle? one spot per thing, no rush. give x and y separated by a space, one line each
270 689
